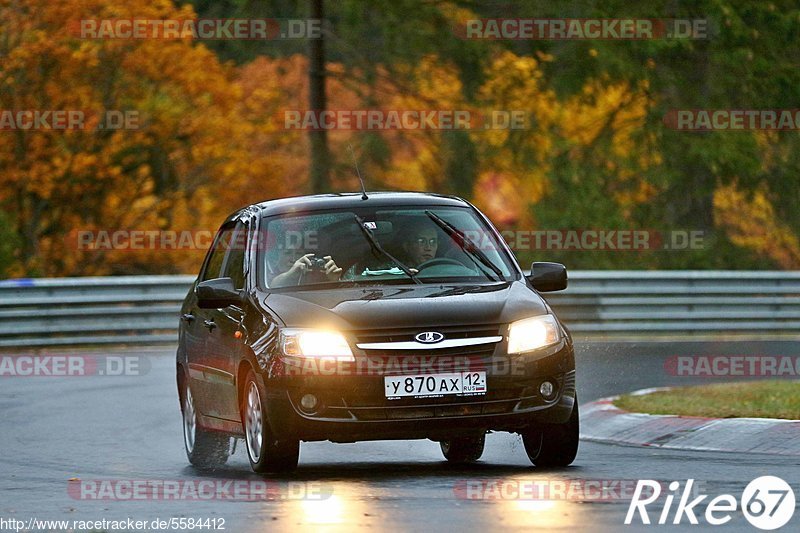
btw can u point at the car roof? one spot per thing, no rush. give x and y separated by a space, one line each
320 202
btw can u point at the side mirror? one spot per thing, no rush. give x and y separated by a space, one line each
216 293
548 277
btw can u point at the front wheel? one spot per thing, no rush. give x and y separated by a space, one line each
203 448
267 453
553 444
463 449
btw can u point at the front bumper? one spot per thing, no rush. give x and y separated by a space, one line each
353 407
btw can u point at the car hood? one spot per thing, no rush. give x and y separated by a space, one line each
406 306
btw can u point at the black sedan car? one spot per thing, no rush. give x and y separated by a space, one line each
349 317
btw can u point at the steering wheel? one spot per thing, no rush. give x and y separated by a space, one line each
439 261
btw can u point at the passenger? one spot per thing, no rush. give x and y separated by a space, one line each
295 267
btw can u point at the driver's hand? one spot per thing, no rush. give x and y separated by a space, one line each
332 271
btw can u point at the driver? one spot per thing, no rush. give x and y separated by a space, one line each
416 243
420 244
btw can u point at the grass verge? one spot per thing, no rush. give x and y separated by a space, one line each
755 399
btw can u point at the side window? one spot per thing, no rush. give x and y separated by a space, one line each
234 264
217 253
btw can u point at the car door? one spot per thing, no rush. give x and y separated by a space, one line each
204 370
223 347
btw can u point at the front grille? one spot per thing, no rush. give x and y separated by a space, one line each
479 351
475 353
407 334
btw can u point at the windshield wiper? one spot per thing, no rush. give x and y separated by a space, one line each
467 245
375 245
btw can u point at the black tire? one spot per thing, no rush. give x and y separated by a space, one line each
205 449
463 449
554 444
265 450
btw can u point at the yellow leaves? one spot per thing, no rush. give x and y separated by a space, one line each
438 81
144 203
81 162
87 53
602 105
193 147
752 223
412 173
457 15
641 193
544 57
526 66
513 82
607 120
603 112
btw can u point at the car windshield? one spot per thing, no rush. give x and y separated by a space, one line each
393 245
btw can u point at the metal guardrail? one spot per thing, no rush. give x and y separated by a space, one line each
144 309
101 310
706 302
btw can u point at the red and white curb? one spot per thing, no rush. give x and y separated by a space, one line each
601 421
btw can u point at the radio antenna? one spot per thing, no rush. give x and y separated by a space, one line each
358 173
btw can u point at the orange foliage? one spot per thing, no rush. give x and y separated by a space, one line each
752 223
211 136
194 157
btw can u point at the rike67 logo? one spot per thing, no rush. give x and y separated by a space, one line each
767 503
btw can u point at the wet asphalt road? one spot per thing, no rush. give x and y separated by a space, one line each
129 428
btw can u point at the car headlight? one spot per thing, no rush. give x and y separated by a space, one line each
315 343
533 333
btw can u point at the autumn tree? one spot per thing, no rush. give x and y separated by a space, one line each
188 161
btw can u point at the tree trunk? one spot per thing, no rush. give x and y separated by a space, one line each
320 158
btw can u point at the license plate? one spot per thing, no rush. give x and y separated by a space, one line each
431 385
